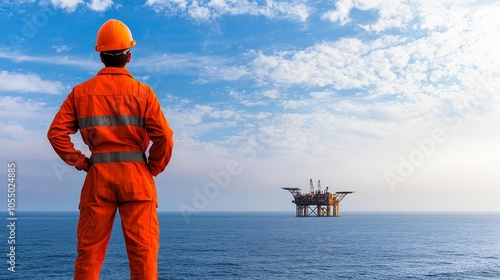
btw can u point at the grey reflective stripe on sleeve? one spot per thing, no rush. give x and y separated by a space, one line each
117 157
111 121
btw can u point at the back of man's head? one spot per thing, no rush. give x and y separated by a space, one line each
115 58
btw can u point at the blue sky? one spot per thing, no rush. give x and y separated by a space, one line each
396 100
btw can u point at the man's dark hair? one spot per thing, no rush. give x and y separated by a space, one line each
115 58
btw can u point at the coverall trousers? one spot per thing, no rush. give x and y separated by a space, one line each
99 203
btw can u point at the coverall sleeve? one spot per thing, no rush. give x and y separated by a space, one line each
64 124
160 134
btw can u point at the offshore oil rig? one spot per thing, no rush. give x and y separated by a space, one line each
317 203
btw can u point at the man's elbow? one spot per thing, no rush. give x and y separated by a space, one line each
51 135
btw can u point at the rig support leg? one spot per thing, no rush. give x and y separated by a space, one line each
329 211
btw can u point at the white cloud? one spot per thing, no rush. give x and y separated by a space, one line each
28 83
407 15
208 10
71 5
16 109
86 64
247 99
23 124
68 5
199 12
206 67
271 93
313 127
21 143
198 120
345 64
451 63
100 5
167 5
341 12
61 48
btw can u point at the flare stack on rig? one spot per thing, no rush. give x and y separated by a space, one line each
317 202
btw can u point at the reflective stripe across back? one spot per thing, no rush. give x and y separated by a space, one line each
117 157
111 121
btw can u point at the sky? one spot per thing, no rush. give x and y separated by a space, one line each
395 100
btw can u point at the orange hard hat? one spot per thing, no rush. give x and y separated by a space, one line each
113 35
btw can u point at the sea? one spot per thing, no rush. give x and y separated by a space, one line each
274 245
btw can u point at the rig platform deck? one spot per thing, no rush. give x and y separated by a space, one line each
317 203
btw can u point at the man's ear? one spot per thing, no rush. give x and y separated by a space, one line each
102 60
129 56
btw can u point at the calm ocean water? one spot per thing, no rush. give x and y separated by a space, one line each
277 246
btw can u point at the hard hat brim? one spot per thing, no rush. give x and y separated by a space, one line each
116 47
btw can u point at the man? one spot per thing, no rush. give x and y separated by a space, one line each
116 116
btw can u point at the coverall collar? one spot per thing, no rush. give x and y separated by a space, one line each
114 71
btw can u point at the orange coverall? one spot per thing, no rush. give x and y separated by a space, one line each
116 116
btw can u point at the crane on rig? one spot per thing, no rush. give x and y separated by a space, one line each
317 202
